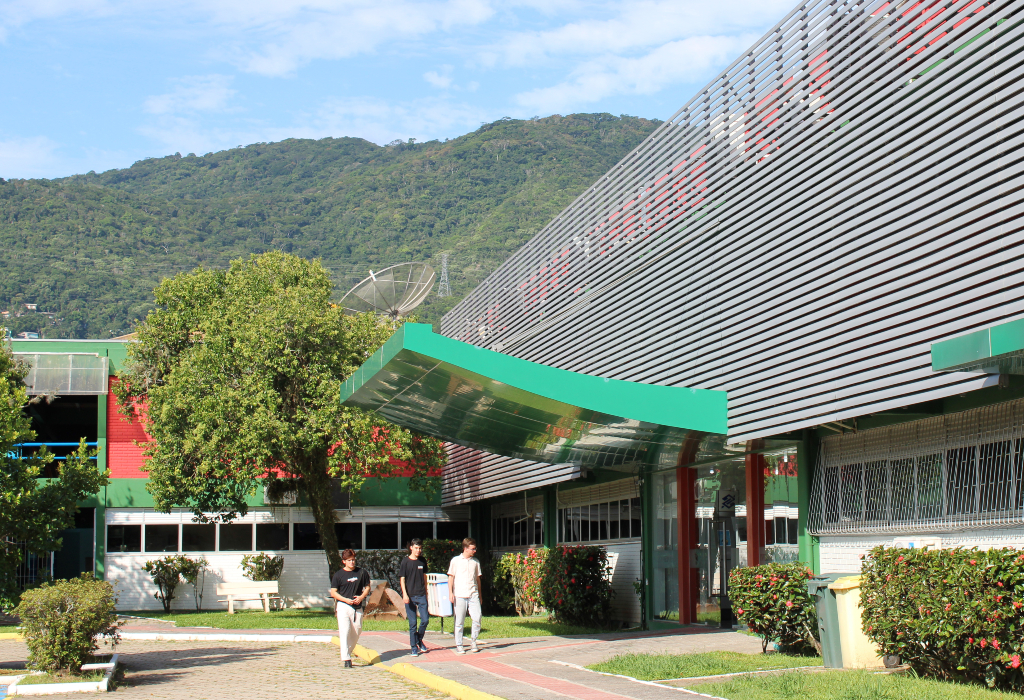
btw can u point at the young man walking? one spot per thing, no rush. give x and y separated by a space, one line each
464 593
412 575
349 587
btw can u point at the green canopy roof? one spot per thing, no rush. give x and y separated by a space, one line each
996 350
484 399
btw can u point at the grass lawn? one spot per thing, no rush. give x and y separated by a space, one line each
91 677
492 627
653 667
847 685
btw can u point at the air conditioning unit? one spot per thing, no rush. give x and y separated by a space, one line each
287 498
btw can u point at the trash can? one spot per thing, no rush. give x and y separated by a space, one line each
828 618
858 651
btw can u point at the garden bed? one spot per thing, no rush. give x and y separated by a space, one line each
493 627
97 677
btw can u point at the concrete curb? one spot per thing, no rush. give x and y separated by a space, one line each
10 635
185 637
418 675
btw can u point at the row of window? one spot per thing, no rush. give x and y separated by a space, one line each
517 531
600 521
275 537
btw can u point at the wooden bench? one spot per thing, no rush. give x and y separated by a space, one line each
264 591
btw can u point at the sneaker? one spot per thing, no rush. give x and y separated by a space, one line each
423 648
415 652
474 648
348 664
460 650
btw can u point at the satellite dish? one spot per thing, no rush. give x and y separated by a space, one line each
392 292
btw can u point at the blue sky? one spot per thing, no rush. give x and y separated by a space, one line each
99 84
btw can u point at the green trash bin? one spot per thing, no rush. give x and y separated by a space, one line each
828 618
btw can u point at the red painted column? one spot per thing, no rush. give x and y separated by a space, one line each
686 517
755 466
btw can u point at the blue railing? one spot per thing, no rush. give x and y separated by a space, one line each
17 453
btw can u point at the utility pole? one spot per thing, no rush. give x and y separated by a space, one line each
443 289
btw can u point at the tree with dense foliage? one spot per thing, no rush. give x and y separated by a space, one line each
33 511
240 371
90 248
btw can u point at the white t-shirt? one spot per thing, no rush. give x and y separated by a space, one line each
465 570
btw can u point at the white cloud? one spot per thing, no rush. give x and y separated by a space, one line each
198 93
630 26
28 157
373 119
686 61
439 80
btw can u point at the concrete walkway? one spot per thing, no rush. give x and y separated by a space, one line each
537 668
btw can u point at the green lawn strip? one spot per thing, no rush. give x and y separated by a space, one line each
652 667
93 677
847 685
492 627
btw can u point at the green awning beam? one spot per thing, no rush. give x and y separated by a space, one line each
995 350
477 397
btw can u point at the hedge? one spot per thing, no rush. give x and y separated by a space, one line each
575 587
773 602
955 614
61 621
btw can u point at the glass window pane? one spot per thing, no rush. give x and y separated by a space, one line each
272 536
382 536
665 564
780 531
305 537
421 530
124 538
792 523
161 538
614 518
350 536
236 537
634 517
602 523
538 530
452 530
624 519
198 538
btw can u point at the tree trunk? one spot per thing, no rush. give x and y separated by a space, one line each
318 491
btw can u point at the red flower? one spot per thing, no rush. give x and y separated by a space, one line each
1015 661
999 583
789 603
995 643
983 643
948 606
739 611
973 562
970 640
900 558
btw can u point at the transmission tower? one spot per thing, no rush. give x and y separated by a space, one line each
443 289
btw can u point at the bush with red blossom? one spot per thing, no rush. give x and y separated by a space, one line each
956 614
773 602
576 586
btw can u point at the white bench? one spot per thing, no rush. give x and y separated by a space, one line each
264 591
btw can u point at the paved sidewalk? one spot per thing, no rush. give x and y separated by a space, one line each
539 668
241 671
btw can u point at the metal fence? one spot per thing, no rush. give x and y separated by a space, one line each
953 472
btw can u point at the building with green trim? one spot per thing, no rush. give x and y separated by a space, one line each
810 276
118 529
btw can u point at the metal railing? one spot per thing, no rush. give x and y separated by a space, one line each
959 471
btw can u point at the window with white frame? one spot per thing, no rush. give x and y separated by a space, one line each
518 523
600 513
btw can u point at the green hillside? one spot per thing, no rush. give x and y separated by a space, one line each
89 248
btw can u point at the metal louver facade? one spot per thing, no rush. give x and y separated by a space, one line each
472 475
798 234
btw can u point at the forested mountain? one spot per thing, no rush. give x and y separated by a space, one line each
91 247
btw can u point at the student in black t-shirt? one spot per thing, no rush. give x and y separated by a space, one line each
412 574
349 587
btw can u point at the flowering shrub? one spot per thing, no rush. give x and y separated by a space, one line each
439 554
262 567
772 601
575 586
954 613
525 574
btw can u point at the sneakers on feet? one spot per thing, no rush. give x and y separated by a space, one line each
460 650
348 664
415 651
474 648
423 648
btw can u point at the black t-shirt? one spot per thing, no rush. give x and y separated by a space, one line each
414 573
350 584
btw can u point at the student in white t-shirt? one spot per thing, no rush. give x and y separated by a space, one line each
464 592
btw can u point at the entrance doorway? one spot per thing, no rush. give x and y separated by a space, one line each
720 495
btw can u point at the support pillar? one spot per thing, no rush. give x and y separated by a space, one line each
550 517
755 466
806 459
687 518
